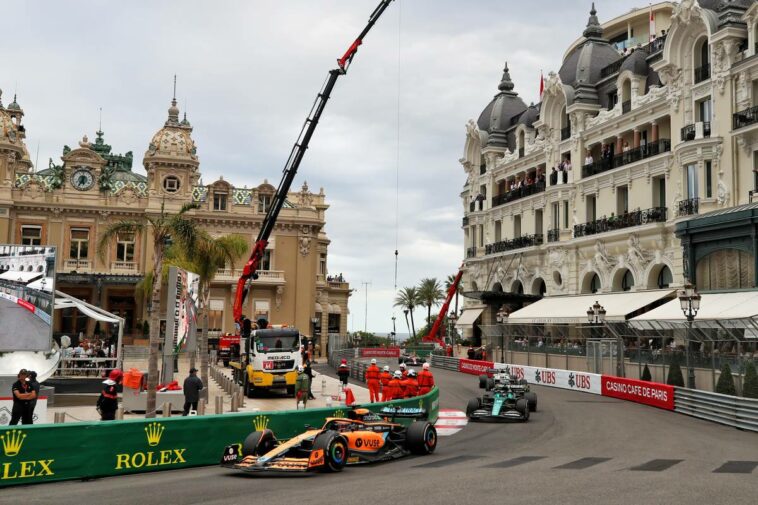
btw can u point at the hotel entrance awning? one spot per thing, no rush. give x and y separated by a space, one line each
468 318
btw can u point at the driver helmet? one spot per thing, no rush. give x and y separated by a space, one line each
398 374
426 366
116 375
411 373
386 368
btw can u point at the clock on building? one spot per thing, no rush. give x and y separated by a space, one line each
82 179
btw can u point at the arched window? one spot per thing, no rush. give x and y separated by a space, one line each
517 288
626 90
539 287
627 282
664 278
595 284
702 61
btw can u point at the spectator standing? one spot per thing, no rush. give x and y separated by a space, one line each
309 372
35 385
22 397
107 404
192 387
302 386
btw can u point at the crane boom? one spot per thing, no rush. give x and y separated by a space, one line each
432 336
293 162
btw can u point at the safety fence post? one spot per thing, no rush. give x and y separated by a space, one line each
166 409
201 407
219 405
234 404
120 413
241 394
60 417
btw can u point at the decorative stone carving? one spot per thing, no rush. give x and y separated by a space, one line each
685 11
724 54
556 257
604 115
636 256
722 193
742 91
305 197
279 295
654 94
305 245
601 260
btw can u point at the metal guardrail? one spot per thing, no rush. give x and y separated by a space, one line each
741 413
445 362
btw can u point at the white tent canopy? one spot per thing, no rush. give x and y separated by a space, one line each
724 307
468 318
43 284
573 309
23 277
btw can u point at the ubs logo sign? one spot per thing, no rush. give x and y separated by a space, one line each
579 381
151 458
13 442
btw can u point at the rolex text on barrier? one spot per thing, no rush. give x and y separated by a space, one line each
554 377
380 352
50 452
649 393
474 366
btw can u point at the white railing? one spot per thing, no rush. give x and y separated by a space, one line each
81 265
124 266
270 276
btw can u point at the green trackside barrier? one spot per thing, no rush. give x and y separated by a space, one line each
53 452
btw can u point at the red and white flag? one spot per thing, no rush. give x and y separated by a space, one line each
652 24
542 85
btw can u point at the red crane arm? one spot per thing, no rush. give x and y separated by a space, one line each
432 336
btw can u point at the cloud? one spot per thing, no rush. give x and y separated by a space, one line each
248 74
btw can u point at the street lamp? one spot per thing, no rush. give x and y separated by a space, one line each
502 317
596 314
394 331
689 299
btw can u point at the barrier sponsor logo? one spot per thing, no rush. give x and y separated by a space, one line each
380 352
546 377
580 381
474 367
648 393
554 377
28 306
13 442
154 433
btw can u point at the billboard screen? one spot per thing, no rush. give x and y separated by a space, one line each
27 287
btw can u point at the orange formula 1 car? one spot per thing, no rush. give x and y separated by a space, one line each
363 437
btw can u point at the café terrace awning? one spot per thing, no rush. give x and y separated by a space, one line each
717 310
573 309
22 277
468 318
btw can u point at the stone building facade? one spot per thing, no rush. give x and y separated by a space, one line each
636 171
68 204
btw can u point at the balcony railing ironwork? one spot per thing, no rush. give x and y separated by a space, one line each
745 117
553 235
516 243
626 220
626 106
651 48
688 132
702 73
565 132
518 193
688 207
630 156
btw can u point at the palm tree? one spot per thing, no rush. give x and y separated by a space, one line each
459 289
407 298
430 293
164 228
208 257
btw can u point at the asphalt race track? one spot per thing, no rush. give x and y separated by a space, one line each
21 330
577 448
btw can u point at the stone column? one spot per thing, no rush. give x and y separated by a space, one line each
636 138
619 144
654 134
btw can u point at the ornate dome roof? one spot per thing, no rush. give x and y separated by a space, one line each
497 116
8 130
582 66
636 63
174 139
14 104
530 115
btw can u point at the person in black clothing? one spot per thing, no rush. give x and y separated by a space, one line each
343 372
309 372
192 387
107 404
247 327
35 385
553 177
23 394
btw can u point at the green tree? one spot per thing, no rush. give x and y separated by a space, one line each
675 377
162 228
725 384
430 294
208 257
408 299
750 382
646 374
458 289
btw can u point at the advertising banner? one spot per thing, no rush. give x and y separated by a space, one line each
474 367
181 321
27 284
46 453
649 393
380 352
6 406
554 377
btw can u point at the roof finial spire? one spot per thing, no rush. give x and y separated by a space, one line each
505 82
100 121
174 99
593 30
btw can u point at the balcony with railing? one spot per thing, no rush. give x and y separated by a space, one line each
702 73
611 69
471 252
518 193
516 243
553 235
264 276
626 220
79 265
688 207
565 132
689 132
124 267
618 160
745 117
477 205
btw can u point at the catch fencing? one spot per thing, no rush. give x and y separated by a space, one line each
741 413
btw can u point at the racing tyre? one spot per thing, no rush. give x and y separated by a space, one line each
490 384
335 450
472 406
522 406
421 438
531 399
482 381
258 443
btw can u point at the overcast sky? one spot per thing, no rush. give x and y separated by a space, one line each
248 72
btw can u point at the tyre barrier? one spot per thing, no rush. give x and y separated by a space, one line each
53 452
740 413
